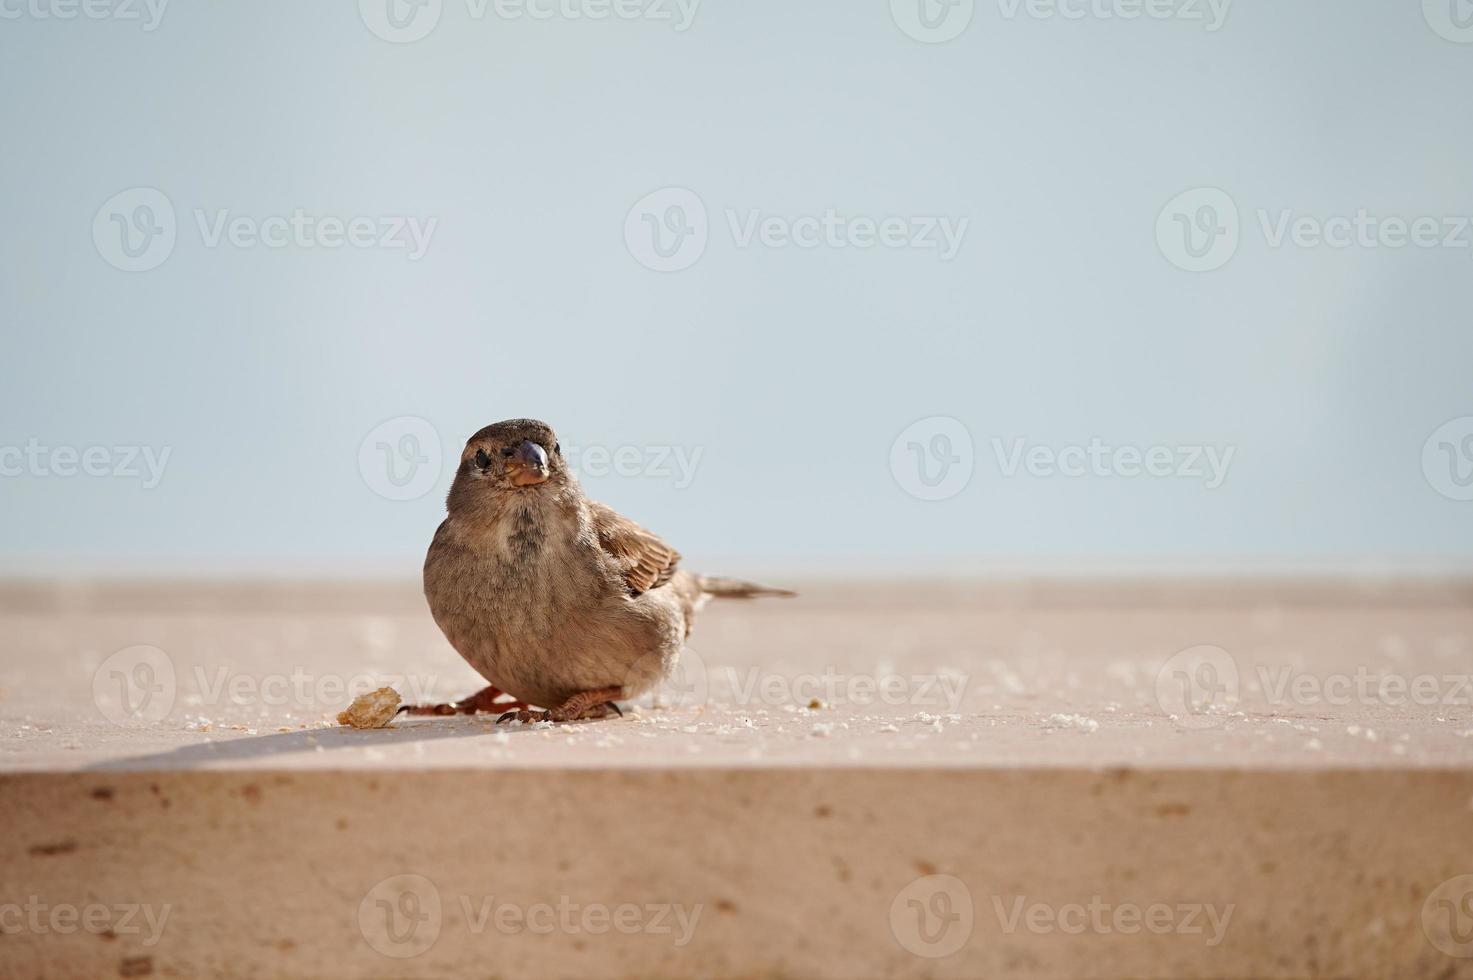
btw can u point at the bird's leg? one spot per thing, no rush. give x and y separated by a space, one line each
585 705
482 700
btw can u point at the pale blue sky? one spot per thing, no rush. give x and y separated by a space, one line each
782 375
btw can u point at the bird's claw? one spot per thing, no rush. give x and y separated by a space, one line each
524 716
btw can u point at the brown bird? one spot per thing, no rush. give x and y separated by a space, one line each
553 598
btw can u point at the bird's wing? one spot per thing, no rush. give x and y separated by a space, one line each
647 561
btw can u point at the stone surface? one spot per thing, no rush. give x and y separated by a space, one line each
831 782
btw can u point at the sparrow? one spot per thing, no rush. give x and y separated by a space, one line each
556 600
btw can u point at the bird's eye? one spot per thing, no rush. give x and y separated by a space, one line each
557 450
482 460
508 452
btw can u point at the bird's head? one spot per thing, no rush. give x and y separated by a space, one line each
511 457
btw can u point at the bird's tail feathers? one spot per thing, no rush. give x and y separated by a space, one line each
733 588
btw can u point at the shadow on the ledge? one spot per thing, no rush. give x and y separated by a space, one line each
306 740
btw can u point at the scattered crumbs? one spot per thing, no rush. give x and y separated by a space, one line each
822 729
888 728
1313 745
816 705
691 729
1074 721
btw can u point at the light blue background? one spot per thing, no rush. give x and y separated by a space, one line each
792 370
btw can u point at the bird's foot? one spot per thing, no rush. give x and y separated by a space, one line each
486 700
583 706
525 716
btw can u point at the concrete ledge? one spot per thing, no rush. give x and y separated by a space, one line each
772 873
1038 801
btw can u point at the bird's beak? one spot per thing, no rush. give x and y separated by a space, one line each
529 467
